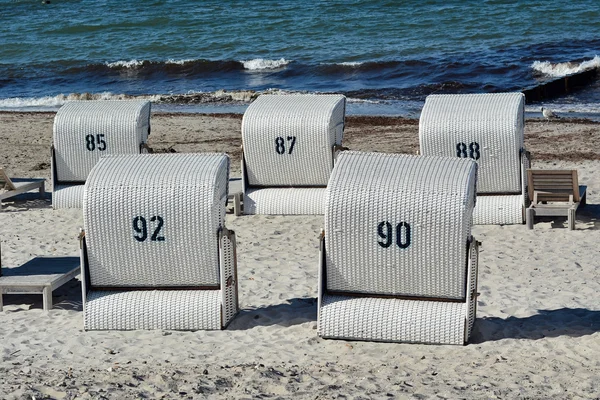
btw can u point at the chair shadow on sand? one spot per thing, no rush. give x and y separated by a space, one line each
67 298
27 201
572 322
292 312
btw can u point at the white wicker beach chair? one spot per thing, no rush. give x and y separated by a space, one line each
489 129
289 145
84 131
398 262
155 250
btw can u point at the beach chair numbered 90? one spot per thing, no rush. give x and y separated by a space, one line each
398 262
155 251
487 128
289 146
84 131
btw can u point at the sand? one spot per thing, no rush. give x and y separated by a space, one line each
537 333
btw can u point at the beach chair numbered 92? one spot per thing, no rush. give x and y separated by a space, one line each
84 131
289 146
155 251
398 262
487 128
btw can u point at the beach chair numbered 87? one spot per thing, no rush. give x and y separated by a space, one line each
289 146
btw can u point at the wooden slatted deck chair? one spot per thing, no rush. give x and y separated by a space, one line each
155 250
489 129
554 193
84 131
398 261
289 146
11 187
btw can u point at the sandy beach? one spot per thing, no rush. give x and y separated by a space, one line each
537 333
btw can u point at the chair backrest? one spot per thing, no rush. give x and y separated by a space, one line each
152 220
399 225
288 139
488 128
86 130
5 181
553 185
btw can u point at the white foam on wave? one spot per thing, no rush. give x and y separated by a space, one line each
262 64
558 70
125 64
351 63
52 102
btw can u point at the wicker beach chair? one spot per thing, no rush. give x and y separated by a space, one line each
398 262
84 131
289 146
489 129
10 187
155 250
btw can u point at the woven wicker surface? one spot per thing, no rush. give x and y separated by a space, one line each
495 210
284 201
153 219
486 127
392 320
288 139
152 309
375 201
67 196
86 130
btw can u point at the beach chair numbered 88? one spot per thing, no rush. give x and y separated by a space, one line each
489 129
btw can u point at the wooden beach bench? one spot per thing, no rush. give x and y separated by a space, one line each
40 275
15 186
554 193
289 147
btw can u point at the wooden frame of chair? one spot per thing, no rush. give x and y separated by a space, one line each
554 193
17 186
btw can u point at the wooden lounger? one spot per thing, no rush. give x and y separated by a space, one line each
554 193
15 186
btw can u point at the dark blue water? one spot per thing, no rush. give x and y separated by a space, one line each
385 56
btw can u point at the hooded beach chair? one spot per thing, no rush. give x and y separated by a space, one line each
487 128
554 193
398 262
289 146
84 131
155 250
11 187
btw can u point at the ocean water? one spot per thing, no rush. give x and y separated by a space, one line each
214 56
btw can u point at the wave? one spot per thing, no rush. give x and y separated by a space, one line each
558 70
264 64
59 100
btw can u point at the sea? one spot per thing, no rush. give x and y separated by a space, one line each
385 56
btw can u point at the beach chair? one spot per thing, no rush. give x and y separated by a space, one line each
398 262
289 145
84 131
14 186
487 128
155 250
554 193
